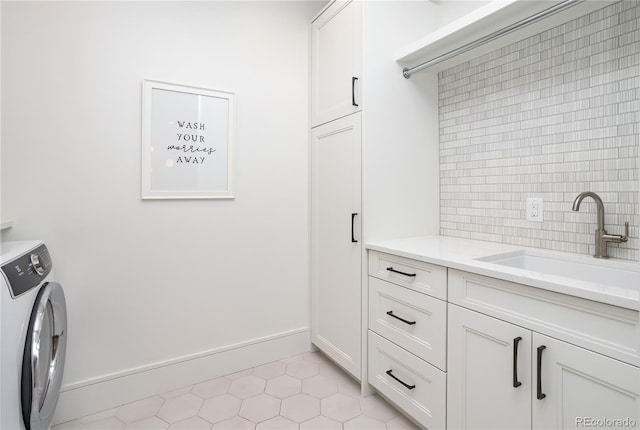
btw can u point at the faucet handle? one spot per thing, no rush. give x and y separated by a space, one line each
626 230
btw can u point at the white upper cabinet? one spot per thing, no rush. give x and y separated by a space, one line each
336 62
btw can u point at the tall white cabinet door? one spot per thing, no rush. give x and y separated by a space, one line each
581 389
336 246
488 385
336 62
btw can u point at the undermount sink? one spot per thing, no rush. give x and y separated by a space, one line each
606 272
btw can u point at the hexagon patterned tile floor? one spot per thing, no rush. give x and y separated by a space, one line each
302 392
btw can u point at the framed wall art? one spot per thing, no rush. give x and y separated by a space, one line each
188 142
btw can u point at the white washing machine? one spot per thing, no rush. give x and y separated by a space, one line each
33 336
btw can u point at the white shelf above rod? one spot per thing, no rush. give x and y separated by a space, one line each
407 72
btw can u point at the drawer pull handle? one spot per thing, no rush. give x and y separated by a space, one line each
353 235
353 91
407 386
516 383
391 269
540 395
390 313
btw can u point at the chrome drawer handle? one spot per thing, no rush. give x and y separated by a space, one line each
390 313
391 269
407 386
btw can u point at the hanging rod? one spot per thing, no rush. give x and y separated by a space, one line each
407 72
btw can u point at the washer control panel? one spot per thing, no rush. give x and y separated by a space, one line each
27 271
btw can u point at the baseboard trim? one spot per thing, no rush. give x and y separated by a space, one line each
108 391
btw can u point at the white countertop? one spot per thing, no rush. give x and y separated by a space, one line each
462 254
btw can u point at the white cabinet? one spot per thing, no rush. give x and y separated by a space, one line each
413 385
487 387
503 375
610 330
336 62
415 275
367 160
579 388
407 335
336 176
460 350
414 321
336 241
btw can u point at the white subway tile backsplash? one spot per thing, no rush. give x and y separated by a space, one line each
549 116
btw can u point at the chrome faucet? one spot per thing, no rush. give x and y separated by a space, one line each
601 235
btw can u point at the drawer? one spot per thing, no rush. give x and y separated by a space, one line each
419 390
414 321
419 276
600 327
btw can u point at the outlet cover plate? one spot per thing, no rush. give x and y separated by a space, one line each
534 209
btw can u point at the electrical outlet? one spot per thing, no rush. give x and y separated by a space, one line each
534 209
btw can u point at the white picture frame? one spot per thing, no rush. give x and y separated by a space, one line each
188 142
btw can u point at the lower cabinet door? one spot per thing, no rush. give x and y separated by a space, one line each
336 242
412 384
489 372
577 388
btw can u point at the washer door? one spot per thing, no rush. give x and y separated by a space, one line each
44 355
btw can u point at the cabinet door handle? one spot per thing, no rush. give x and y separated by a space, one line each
390 313
391 269
540 395
407 386
353 91
353 234
516 383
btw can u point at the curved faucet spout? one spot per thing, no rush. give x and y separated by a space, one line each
601 236
599 205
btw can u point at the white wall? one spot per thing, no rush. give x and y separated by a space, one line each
400 125
400 129
152 282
